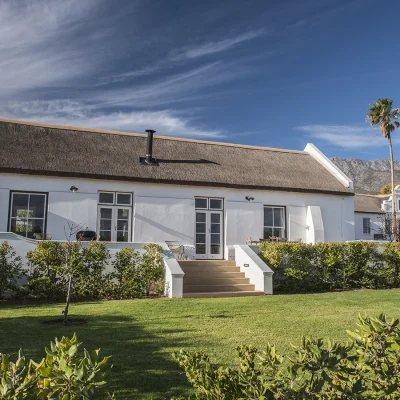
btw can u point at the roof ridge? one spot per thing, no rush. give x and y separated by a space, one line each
180 139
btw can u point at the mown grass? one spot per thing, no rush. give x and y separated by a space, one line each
142 334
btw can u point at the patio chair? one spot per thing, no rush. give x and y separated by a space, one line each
177 249
42 236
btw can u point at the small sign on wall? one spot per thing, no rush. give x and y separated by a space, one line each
246 265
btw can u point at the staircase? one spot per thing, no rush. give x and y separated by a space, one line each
215 278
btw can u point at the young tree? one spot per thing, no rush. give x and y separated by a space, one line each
11 269
381 112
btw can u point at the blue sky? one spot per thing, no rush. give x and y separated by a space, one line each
270 73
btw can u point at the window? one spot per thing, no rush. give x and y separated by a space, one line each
27 213
106 198
366 226
124 199
205 203
274 221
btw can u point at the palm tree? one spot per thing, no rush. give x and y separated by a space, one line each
381 112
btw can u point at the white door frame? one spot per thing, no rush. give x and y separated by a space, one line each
114 220
208 255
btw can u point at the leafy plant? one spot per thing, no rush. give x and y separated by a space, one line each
151 269
367 367
62 374
11 269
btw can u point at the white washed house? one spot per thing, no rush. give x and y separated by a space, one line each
209 196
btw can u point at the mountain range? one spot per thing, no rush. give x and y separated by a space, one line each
368 175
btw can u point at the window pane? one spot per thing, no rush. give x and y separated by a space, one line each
279 232
105 224
215 238
267 233
215 249
105 213
215 218
200 228
268 220
18 226
200 238
106 198
200 217
36 205
19 205
278 217
123 213
122 236
105 236
122 225
215 228
124 198
200 249
34 226
200 203
216 204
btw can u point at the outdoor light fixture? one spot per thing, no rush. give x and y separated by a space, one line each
248 198
73 189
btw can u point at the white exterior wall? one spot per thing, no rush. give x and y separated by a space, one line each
376 225
166 212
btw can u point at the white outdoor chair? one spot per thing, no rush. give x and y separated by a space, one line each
177 249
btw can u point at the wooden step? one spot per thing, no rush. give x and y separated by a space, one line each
210 269
226 263
223 294
208 280
218 288
213 274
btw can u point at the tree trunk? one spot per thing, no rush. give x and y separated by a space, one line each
394 221
68 300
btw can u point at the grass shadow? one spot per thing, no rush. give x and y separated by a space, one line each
142 362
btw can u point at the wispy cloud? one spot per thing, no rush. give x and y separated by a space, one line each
34 46
346 136
70 112
181 55
217 46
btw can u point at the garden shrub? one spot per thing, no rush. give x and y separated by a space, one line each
63 374
135 274
138 274
332 266
45 262
366 367
11 270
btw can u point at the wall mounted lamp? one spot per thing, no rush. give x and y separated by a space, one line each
248 198
73 189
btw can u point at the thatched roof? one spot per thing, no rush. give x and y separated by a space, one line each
366 203
65 151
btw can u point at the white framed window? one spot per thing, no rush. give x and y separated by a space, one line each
28 212
124 199
274 221
201 203
209 203
366 226
106 198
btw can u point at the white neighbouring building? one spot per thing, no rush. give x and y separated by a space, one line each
209 196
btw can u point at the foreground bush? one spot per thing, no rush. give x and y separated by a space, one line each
332 266
62 374
11 270
368 367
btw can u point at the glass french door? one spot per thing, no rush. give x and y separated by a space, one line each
208 235
114 223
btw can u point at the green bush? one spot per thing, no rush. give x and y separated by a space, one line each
62 374
11 270
137 274
332 266
45 262
134 274
367 367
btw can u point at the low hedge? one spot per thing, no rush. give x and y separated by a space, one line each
332 266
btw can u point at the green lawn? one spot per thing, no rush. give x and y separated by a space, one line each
142 334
